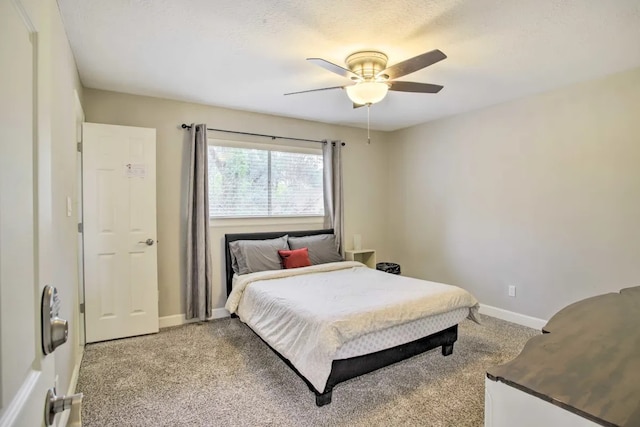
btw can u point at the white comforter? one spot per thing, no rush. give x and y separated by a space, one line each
306 317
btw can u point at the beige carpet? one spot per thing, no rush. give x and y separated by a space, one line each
220 374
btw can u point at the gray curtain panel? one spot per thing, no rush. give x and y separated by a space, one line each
199 272
333 199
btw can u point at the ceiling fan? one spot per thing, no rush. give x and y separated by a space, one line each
371 78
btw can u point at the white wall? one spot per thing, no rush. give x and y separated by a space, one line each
542 193
365 178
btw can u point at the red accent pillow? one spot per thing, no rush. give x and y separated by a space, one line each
295 258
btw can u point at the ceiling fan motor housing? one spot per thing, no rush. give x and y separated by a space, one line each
367 63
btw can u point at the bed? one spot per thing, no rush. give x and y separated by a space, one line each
339 336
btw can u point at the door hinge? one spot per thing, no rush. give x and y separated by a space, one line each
82 308
79 147
80 227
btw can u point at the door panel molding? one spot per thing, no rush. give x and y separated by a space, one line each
23 10
20 398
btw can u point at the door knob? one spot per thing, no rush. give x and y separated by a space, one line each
148 242
56 404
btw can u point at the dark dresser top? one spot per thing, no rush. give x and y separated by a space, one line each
587 362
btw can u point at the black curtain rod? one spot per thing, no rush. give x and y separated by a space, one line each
185 126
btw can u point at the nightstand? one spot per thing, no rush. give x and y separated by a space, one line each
365 256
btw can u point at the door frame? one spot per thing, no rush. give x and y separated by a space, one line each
79 120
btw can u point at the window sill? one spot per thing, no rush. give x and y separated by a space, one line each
272 220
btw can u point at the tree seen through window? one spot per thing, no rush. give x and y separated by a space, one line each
246 182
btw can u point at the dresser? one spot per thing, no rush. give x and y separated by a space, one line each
584 370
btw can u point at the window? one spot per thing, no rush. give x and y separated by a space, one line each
262 182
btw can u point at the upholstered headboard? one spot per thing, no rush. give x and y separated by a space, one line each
228 238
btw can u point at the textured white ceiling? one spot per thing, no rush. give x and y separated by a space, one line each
246 54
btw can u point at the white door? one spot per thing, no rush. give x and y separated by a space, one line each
119 227
25 374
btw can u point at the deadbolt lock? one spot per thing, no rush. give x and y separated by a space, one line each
55 331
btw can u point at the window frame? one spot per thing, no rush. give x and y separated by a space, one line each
222 221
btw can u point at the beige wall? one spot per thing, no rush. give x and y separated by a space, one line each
542 193
365 178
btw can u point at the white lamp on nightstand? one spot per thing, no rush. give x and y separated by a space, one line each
357 242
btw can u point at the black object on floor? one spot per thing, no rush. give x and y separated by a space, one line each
388 267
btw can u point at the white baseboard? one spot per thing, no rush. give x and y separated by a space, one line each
219 313
513 317
180 319
174 320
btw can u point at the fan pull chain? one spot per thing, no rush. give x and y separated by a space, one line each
368 121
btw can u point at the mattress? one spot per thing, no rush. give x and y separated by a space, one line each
396 335
314 315
400 334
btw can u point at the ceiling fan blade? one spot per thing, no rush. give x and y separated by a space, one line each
315 90
413 64
358 105
414 87
335 68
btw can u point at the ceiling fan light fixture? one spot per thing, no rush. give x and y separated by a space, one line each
368 92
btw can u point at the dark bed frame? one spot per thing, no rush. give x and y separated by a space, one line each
345 369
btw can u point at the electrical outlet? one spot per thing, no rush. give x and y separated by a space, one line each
512 291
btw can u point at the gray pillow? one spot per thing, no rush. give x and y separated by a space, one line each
250 256
322 248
